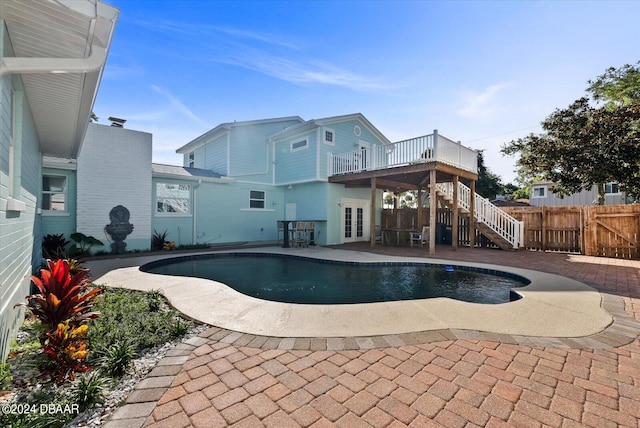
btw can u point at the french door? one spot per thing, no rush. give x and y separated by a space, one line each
355 220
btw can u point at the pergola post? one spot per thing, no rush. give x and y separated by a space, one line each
372 222
454 220
433 198
472 215
420 210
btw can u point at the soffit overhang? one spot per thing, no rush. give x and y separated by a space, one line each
59 52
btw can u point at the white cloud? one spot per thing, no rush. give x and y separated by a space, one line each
303 71
480 105
177 105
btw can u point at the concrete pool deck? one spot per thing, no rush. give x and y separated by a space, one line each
450 378
552 305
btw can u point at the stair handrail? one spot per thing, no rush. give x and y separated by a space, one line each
487 213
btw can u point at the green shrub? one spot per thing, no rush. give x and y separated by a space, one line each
158 240
88 390
83 245
155 300
126 317
116 359
55 246
179 328
5 376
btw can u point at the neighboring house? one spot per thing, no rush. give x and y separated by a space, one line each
541 194
52 55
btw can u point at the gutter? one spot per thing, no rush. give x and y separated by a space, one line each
20 65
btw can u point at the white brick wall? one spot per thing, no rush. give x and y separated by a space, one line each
114 168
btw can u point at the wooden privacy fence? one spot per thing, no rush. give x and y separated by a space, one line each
407 218
608 231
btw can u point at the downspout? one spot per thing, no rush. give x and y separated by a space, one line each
195 211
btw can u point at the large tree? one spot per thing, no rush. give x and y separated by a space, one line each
488 185
585 145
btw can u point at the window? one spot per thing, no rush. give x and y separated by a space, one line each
256 199
539 192
329 137
191 162
54 193
173 198
299 145
611 188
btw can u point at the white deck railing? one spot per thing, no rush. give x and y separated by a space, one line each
428 148
485 212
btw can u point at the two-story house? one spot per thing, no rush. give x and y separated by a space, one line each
265 171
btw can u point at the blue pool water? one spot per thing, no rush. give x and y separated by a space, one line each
302 280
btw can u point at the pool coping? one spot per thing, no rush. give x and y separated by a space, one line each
556 308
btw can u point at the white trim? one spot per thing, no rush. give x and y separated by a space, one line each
64 192
258 209
297 141
167 175
357 131
172 214
263 199
610 184
324 136
533 193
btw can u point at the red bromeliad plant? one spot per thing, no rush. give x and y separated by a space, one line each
63 304
63 297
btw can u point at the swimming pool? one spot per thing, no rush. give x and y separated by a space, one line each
552 305
294 279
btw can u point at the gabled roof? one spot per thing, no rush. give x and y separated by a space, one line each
225 127
60 49
181 172
315 123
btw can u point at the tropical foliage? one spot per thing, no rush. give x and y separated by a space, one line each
67 350
585 145
62 296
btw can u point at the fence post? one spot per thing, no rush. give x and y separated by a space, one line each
543 226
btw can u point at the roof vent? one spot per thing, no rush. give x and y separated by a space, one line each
117 122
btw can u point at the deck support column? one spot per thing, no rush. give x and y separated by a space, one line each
454 220
372 221
472 215
420 218
433 202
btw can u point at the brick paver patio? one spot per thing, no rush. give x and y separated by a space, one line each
443 378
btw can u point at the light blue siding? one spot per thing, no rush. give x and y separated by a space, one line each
18 227
214 155
345 141
222 215
299 165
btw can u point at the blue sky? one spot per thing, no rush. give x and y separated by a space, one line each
483 73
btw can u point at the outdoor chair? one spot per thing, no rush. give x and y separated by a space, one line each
421 237
299 234
310 229
279 231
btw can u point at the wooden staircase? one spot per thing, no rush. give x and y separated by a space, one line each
498 226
